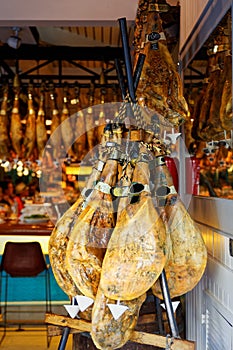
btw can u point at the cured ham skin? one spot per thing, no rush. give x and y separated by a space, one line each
136 252
91 233
108 333
187 254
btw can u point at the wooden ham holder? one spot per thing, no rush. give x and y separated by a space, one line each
78 326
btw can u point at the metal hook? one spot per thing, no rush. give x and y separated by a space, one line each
169 342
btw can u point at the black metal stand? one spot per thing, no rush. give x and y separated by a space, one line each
168 303
64 338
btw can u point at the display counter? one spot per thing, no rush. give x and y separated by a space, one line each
23 232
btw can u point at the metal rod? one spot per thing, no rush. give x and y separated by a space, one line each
168 304
138 70
64 338
127 58
159 315
121 78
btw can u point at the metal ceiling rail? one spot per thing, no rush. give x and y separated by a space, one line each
34 52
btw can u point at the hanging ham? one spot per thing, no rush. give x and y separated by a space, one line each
41 132
160 86
4 124
188 255
136 253
16 130
29 141
92 230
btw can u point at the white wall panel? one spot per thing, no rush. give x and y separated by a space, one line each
198 19
59 11
190 12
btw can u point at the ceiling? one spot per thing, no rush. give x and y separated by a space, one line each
62 51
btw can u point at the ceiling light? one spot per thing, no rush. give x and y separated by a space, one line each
14 41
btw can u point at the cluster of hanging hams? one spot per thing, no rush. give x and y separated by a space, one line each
129 224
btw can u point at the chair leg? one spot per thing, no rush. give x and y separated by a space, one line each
4 330
48 302
5 308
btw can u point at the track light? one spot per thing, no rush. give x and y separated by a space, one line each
14 41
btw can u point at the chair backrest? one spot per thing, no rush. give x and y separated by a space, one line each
23 259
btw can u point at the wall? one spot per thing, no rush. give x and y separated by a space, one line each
198 19
46 11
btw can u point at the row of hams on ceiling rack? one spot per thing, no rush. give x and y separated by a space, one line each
27 119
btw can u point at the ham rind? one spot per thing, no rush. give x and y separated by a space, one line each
188 255
61 233
108 333
136 253
91 233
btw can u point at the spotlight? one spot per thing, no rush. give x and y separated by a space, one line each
14 41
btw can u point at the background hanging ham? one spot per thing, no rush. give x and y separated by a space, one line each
41 132
4 125
16 130
29 141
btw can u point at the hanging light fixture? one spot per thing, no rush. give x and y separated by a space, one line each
14 41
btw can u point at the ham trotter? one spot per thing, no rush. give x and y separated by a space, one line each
136 253
188 256
92 230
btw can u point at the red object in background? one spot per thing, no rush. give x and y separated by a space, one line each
192 175
172 164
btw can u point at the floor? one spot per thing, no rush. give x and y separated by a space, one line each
31 338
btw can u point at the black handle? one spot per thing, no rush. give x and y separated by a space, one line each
127 58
